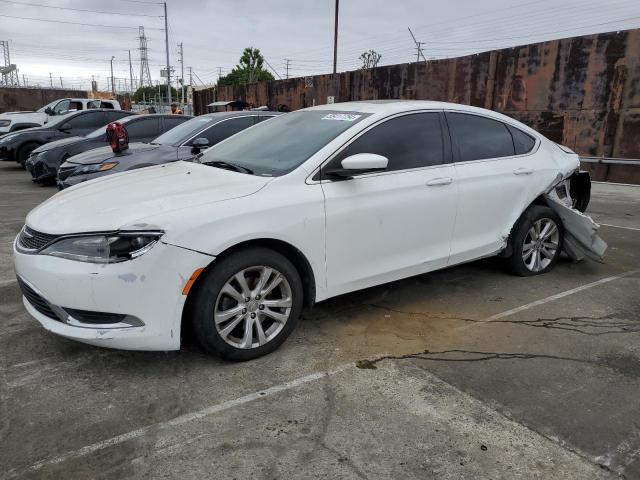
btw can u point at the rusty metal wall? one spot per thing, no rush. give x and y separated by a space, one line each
17 99
20 99
583 92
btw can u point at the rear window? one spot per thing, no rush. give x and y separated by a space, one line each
480 137
522 142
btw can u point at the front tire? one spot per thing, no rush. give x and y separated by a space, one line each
536 241
247 305
24 151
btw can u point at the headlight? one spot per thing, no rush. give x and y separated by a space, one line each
108 248
95 167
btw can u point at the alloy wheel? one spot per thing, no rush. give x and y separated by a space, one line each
253 307
540 244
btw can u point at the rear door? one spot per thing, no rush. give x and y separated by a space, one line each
493 183
388 225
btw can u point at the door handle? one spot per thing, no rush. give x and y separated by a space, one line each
439 181
523 171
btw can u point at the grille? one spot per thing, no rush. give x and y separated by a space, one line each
36 301
32 240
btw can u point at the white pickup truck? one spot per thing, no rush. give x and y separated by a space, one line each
12 121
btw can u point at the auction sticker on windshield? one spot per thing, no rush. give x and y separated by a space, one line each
343 117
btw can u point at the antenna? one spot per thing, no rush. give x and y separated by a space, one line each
145 75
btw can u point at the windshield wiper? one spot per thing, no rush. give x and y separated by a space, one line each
229 166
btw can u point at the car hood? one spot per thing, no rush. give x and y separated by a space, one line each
101 154
125 200
58 143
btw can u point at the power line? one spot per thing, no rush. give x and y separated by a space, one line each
72 23
79 9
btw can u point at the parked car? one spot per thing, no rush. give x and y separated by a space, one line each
13 121
44 161
304 207
180 143
17 146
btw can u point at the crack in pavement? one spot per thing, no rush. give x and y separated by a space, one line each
627 366
609 324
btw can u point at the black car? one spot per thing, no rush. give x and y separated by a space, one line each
44 161
180 143
19 145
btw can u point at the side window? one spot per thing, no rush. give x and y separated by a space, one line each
174 121
143 128
409 141
223 130
480 137
88 121
115 116
75 106
61 107
106 105
521 141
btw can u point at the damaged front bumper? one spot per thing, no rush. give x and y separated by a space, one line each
569 198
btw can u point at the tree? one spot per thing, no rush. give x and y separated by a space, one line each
370 59
149 93
249 69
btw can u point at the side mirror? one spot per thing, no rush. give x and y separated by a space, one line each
359 163
48 111
65 127
199 144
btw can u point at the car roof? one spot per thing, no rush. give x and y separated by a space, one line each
240 113
148 115
382 108
389 106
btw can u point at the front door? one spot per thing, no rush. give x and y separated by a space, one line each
388 225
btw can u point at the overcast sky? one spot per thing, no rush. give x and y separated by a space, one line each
214 32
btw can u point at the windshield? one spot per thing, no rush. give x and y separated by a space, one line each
177 135
283 143
97 133
47 105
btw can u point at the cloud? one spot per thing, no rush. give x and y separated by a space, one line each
214 32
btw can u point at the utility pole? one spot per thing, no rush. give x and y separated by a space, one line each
219 73
182 72
24 80
335 41
286 65
61 85
418 47
130 73
113 85
166 44
50 80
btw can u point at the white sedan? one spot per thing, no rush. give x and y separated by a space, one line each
295 210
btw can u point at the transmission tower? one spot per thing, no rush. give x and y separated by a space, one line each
145 75
8 70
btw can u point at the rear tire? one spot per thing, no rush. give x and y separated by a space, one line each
536 241
24 151
247 305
